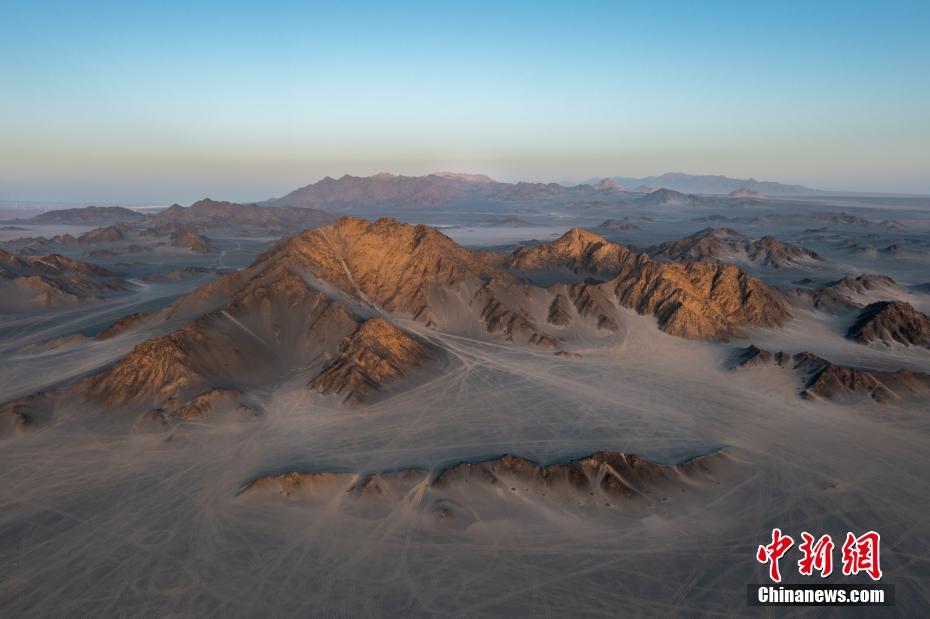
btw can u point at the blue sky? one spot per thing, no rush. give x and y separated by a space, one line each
172 101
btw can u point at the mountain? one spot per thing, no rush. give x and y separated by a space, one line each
256 337
49 280
608 184
355 192
853 292
325 307
697 300
891 322
88 216
212 213
744 192
728 245
441 188
669 197
820 378
108 234
186 238
382 189
126 238
715 185
617 225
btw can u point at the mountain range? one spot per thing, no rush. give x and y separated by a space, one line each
711 184
441 188
344 307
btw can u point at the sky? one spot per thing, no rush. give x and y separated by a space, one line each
171 101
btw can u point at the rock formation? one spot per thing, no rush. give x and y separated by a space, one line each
594 479
728 245
891 322
695 300
854 292
108 234
375 354
560 311
820 378
605 473
188 239
37 281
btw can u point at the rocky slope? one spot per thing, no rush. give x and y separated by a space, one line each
375 354
820 378
391 264
891 322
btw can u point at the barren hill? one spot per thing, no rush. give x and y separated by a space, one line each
728 245
697 300
53 279
891 322
820 378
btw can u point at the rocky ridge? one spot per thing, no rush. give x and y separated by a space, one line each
697 300
728 245
891 322
596 479
820 378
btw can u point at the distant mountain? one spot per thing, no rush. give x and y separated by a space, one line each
31 282
714 185
727 245
89 215
358 192
744 192
669 197
212 213
350 193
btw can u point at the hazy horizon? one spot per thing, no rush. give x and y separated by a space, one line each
170 103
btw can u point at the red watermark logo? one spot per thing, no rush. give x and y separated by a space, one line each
859 554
